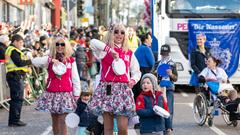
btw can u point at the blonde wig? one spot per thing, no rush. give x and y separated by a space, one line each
110 36
68 50
105 37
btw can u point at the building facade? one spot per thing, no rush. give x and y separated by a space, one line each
11 12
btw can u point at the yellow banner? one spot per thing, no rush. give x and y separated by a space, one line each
84 20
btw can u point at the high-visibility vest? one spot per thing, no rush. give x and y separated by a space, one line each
10 66
133 43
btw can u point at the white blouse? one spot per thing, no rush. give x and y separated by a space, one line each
220 76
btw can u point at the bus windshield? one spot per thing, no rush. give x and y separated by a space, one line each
203 6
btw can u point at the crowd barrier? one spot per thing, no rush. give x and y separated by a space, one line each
33 93
36 81
4 89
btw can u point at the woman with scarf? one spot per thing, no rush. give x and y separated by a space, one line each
63 85
113 96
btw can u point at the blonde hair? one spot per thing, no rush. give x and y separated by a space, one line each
68 50
110 36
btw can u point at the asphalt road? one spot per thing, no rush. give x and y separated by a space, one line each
39 123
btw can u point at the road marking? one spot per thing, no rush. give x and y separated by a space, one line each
189 104
213 128
216 130
47 130
184 94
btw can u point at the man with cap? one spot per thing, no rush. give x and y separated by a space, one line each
16 65
167 82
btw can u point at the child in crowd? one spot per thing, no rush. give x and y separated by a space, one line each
231 101
233 95
87 120
150 122
228 96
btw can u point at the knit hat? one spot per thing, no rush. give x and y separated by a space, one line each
152 78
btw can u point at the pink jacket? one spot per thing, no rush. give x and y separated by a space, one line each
63 84
107 70
103 53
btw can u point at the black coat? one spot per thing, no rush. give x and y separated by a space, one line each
86 118
198 60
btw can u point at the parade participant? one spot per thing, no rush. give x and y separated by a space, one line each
198 59
167 83
145 59
16 64
150 122
113 97
63 84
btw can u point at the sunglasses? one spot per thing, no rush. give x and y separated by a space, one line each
60 44
118 31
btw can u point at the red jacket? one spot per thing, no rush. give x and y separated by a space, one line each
63 84
140 104
149 120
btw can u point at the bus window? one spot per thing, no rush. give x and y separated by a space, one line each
203 6
180 5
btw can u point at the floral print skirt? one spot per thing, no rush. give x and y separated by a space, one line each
119 101
56 102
